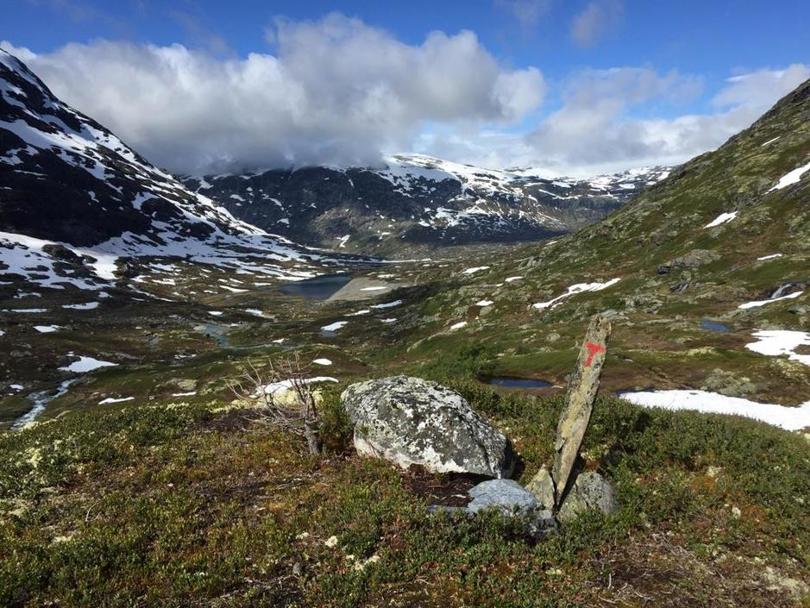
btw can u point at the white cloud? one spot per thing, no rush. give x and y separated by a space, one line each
598 18
527 12
595 130
335 91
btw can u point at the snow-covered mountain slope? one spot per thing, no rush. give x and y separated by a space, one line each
74 199
418 201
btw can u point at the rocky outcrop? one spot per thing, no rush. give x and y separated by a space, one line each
410 421
694 259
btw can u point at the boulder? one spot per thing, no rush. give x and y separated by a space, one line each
503 494
510 499
412 421
590 491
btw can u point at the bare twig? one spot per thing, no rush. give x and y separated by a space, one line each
285 396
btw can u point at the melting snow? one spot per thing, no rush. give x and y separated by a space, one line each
334 326
769 257
512 279
85 306
791 178
188 394
114 400
475 269
788 418
778 342
484 303
388 304
322 361
27 310
458 325
283 385
46 329
86 364
574 289
721 219
759 303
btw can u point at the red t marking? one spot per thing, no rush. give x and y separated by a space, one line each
593 350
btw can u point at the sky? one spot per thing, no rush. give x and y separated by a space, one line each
567 87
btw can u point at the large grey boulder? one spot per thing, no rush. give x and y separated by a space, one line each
412 421
590 491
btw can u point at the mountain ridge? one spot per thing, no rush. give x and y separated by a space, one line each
415 203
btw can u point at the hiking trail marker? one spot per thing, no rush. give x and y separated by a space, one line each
579 399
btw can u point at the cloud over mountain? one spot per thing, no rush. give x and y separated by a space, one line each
335 91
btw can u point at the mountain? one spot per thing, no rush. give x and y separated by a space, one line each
693 271
74 199
418 202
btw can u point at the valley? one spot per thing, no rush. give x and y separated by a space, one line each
130 301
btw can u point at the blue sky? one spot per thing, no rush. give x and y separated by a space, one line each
676 77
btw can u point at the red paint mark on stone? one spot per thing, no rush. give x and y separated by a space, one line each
593 350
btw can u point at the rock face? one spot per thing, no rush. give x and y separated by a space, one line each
412 421
416 202
590 491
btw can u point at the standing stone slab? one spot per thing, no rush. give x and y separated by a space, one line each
412 421
579 403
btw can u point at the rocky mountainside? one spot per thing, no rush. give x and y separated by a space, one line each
417 202
707 275
74 199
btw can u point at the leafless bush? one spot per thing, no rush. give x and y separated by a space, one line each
286 398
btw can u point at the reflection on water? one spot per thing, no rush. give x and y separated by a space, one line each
510 382
714 326
319 288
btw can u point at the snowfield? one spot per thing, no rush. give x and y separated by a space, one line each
776 343
788 418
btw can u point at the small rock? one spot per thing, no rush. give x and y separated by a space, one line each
512 499
713 471
331 542
412 421
505 494
542 487
590 491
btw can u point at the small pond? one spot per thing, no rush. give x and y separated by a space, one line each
710 325
216 332
318 288
511 382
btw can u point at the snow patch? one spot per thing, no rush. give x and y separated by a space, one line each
759 303
86 364
575 289
788 418
777 342
791 178
721 219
